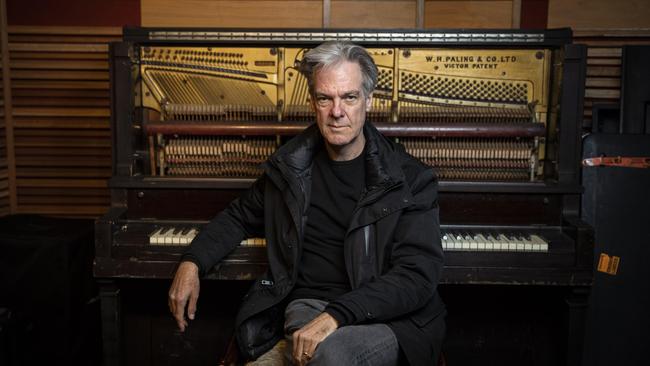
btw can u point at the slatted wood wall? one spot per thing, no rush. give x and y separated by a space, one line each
61 112
603 84
4 172
605 26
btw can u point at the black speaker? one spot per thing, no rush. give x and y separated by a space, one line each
635 90
616 203
51 312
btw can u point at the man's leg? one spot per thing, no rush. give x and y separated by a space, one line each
372 344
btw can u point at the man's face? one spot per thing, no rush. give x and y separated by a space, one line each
341 109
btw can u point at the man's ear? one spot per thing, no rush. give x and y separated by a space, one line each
368 102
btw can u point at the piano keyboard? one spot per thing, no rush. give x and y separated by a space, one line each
492 242
175 236
172 236
452 240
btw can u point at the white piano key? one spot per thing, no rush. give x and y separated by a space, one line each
473 245
153 237
445 242
458 245
519 245
489 242
176 236
509 244
497 245
163 234
451 242
539 244
189 236
167 237
480 243
528 246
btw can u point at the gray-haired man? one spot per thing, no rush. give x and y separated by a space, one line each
352 232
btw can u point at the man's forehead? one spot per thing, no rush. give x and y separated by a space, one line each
346 70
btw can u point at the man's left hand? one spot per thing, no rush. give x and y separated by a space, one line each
308 337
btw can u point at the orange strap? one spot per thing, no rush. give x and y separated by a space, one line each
622 161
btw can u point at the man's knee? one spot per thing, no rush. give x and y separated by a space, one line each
348 346
334 351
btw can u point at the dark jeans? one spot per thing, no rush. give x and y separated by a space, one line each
369 344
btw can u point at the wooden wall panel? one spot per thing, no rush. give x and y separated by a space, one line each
468 14
222 13
61 112
534 14
7 198
599 14
4 171
115 13
373 14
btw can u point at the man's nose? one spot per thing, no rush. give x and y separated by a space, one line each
337 109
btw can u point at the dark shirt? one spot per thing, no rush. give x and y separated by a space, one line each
336 188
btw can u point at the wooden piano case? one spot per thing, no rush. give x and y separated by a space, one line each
497 114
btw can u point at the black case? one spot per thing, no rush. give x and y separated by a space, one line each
616 203
48 308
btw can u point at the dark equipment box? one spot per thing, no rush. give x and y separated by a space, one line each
49 313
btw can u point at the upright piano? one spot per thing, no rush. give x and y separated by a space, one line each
496 113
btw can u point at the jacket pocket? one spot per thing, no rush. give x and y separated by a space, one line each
433 310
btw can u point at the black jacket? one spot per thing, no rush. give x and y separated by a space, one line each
393 254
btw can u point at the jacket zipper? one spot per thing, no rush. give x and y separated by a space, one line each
366 235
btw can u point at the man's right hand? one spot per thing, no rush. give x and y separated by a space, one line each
184 287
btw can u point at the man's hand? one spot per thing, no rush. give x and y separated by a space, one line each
184 287
308 337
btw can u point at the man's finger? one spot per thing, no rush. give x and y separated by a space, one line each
191 308
177 304
297 347
308 350
180 319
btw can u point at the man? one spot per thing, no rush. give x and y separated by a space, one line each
352 232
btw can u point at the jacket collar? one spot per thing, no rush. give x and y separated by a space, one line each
294 159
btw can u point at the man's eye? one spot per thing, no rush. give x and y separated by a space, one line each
351 98
322 100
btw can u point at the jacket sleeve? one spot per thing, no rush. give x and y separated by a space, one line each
414 267
243 218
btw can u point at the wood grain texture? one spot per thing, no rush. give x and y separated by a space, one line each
599 14
222 13
83 13
373 14
8 200
60 85
468 14
534 14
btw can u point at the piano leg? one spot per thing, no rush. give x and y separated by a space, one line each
577 302
109 295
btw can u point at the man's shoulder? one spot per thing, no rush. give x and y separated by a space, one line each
414 169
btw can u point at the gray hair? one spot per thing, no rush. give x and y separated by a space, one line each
334 52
